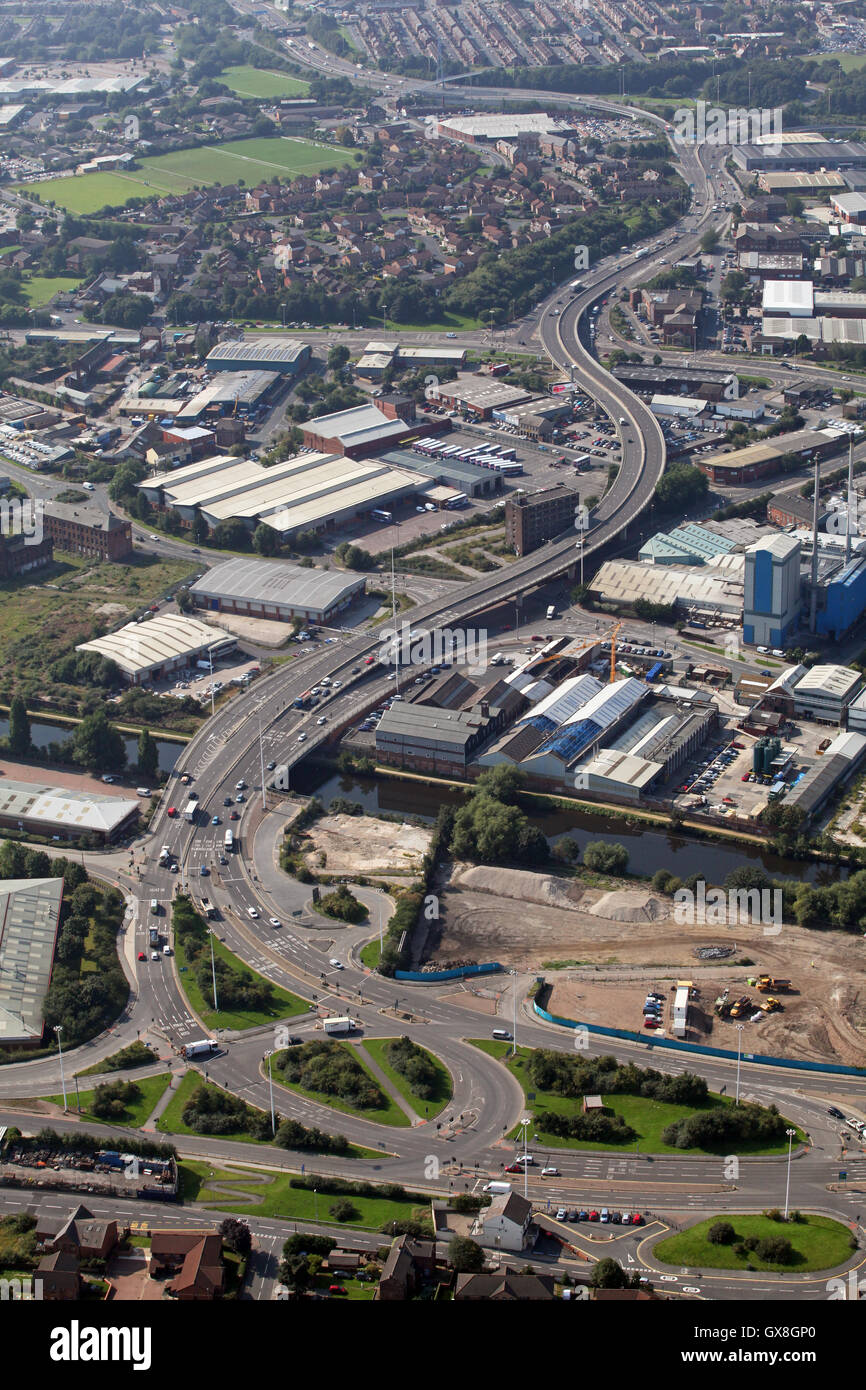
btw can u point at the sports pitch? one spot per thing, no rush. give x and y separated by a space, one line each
261 82
250 160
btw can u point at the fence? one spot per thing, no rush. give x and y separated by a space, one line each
434 976
699 1049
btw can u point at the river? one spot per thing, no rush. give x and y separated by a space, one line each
648 849
43 732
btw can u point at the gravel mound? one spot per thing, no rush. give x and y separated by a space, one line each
625 906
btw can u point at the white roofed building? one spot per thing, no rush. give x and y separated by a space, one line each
151 650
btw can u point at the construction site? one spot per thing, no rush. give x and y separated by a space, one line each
605 954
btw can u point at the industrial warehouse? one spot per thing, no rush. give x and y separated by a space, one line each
309 492
48 810
276 590
29 920
152 650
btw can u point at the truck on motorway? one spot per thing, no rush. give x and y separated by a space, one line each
190 811
497 1188
203 1048
208 908
344 1024
154 936
228 841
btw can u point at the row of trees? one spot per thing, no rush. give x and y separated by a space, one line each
567 1075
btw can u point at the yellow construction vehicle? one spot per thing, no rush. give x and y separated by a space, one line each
768 982
768 1005
739 1007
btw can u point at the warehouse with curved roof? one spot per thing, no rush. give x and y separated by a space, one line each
150 650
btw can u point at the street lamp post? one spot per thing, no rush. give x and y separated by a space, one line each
790 1133
739 1046
268 1056
213 973
58 1030
514 1016
525 1127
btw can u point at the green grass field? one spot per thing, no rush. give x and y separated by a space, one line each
267 1194
449 323
151 1087
261 82
250 160
848 62
427 1109
41 288
369 954
287 1005
387 1114
819 1242
646 1117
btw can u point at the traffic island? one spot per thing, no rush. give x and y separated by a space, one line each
766 1242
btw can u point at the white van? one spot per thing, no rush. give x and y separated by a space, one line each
502 1034
496 1187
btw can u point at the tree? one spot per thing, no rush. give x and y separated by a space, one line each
710 240
265 540
465 1255
338 356
721 1233
775 1250
606 858
236 1235
231 535
199 530
19 728
148 755
97 745
608 1274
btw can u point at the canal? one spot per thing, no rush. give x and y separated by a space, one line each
648 849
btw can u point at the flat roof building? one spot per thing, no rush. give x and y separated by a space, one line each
29 920
283 355
533 518
763 459
276 590
150 650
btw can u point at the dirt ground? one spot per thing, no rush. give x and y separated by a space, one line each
363 845
603 950
49 775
